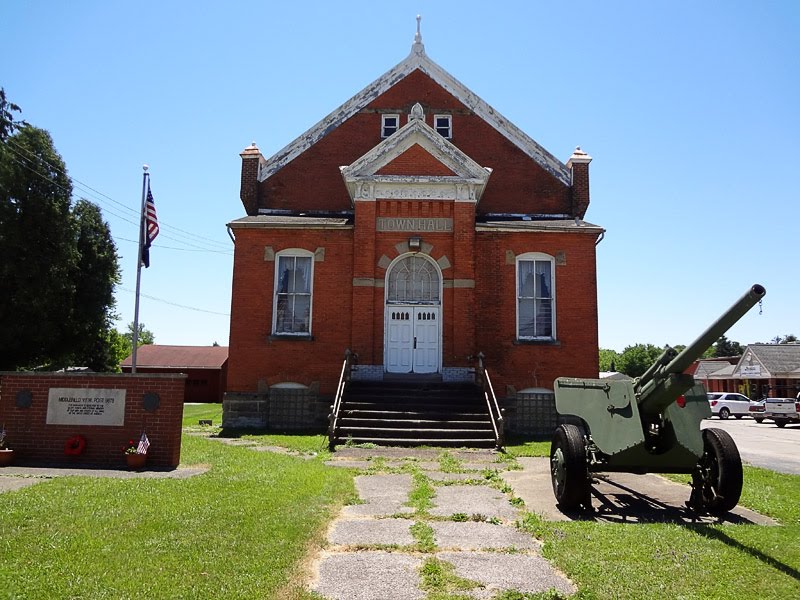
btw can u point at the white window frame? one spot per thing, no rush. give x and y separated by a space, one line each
536 257
396 118
294 253
449 125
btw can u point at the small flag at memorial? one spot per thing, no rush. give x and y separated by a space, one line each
150 224
144 444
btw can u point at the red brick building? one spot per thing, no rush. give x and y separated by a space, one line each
417 227
205 367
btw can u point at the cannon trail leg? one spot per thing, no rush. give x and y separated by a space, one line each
568 467
717 479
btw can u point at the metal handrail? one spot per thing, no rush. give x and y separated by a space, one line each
495 414
344 377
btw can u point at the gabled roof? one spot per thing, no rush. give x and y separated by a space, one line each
466 183
775 359
417 60
179 357
707 368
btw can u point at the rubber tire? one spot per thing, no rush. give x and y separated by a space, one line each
738 416
724 413
757 420
726 470
573 490
781 423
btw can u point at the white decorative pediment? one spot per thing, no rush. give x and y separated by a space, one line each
417 60
364 182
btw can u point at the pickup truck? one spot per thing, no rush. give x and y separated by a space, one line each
782 410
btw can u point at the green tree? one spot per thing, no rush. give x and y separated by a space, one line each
119 347
98 273
59 264
786 339
609 359
7 123
725 347
38 249
636 359
145 337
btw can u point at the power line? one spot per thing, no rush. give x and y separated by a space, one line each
197 247
124 289
160 247
194 247
16 148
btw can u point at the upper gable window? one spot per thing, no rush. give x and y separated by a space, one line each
443 124
389 125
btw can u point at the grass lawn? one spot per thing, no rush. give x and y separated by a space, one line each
678 561
245 528
238 531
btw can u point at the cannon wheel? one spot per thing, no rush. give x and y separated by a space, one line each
568 468
717 479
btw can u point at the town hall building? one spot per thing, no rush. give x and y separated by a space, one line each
418 230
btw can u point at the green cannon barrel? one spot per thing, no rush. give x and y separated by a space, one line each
662 383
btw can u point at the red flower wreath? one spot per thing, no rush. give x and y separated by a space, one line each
75 445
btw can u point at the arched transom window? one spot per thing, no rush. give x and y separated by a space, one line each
413 279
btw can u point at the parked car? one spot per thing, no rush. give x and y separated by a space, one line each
782 410
725 404
757 410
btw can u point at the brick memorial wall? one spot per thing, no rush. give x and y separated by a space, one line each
41 411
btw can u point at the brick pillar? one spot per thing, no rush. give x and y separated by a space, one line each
364 261
578 164
248 190
464 315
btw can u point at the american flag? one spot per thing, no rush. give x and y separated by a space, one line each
144 444
150 226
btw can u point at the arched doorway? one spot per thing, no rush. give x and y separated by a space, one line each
412 318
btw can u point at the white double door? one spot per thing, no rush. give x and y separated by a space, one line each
412 338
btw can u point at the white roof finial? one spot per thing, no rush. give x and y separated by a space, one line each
418 47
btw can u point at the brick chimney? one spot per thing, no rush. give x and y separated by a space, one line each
578 164
248 191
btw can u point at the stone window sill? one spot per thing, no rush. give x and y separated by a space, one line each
519 342
282 337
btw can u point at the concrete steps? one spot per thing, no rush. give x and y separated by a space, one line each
415 414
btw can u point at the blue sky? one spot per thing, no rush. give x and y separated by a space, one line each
689 109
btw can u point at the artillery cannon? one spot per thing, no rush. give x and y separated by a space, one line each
648 425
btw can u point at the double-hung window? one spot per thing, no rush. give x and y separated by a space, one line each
389 125
293 287
443 124
535 297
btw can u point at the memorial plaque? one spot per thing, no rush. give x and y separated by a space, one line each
85 406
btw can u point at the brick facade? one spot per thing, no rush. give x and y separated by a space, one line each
34 441
470 205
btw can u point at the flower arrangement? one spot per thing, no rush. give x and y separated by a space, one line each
75 445
139 447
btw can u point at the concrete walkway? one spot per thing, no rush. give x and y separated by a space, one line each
15 478
373 553
374 548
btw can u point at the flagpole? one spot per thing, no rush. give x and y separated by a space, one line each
135 335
